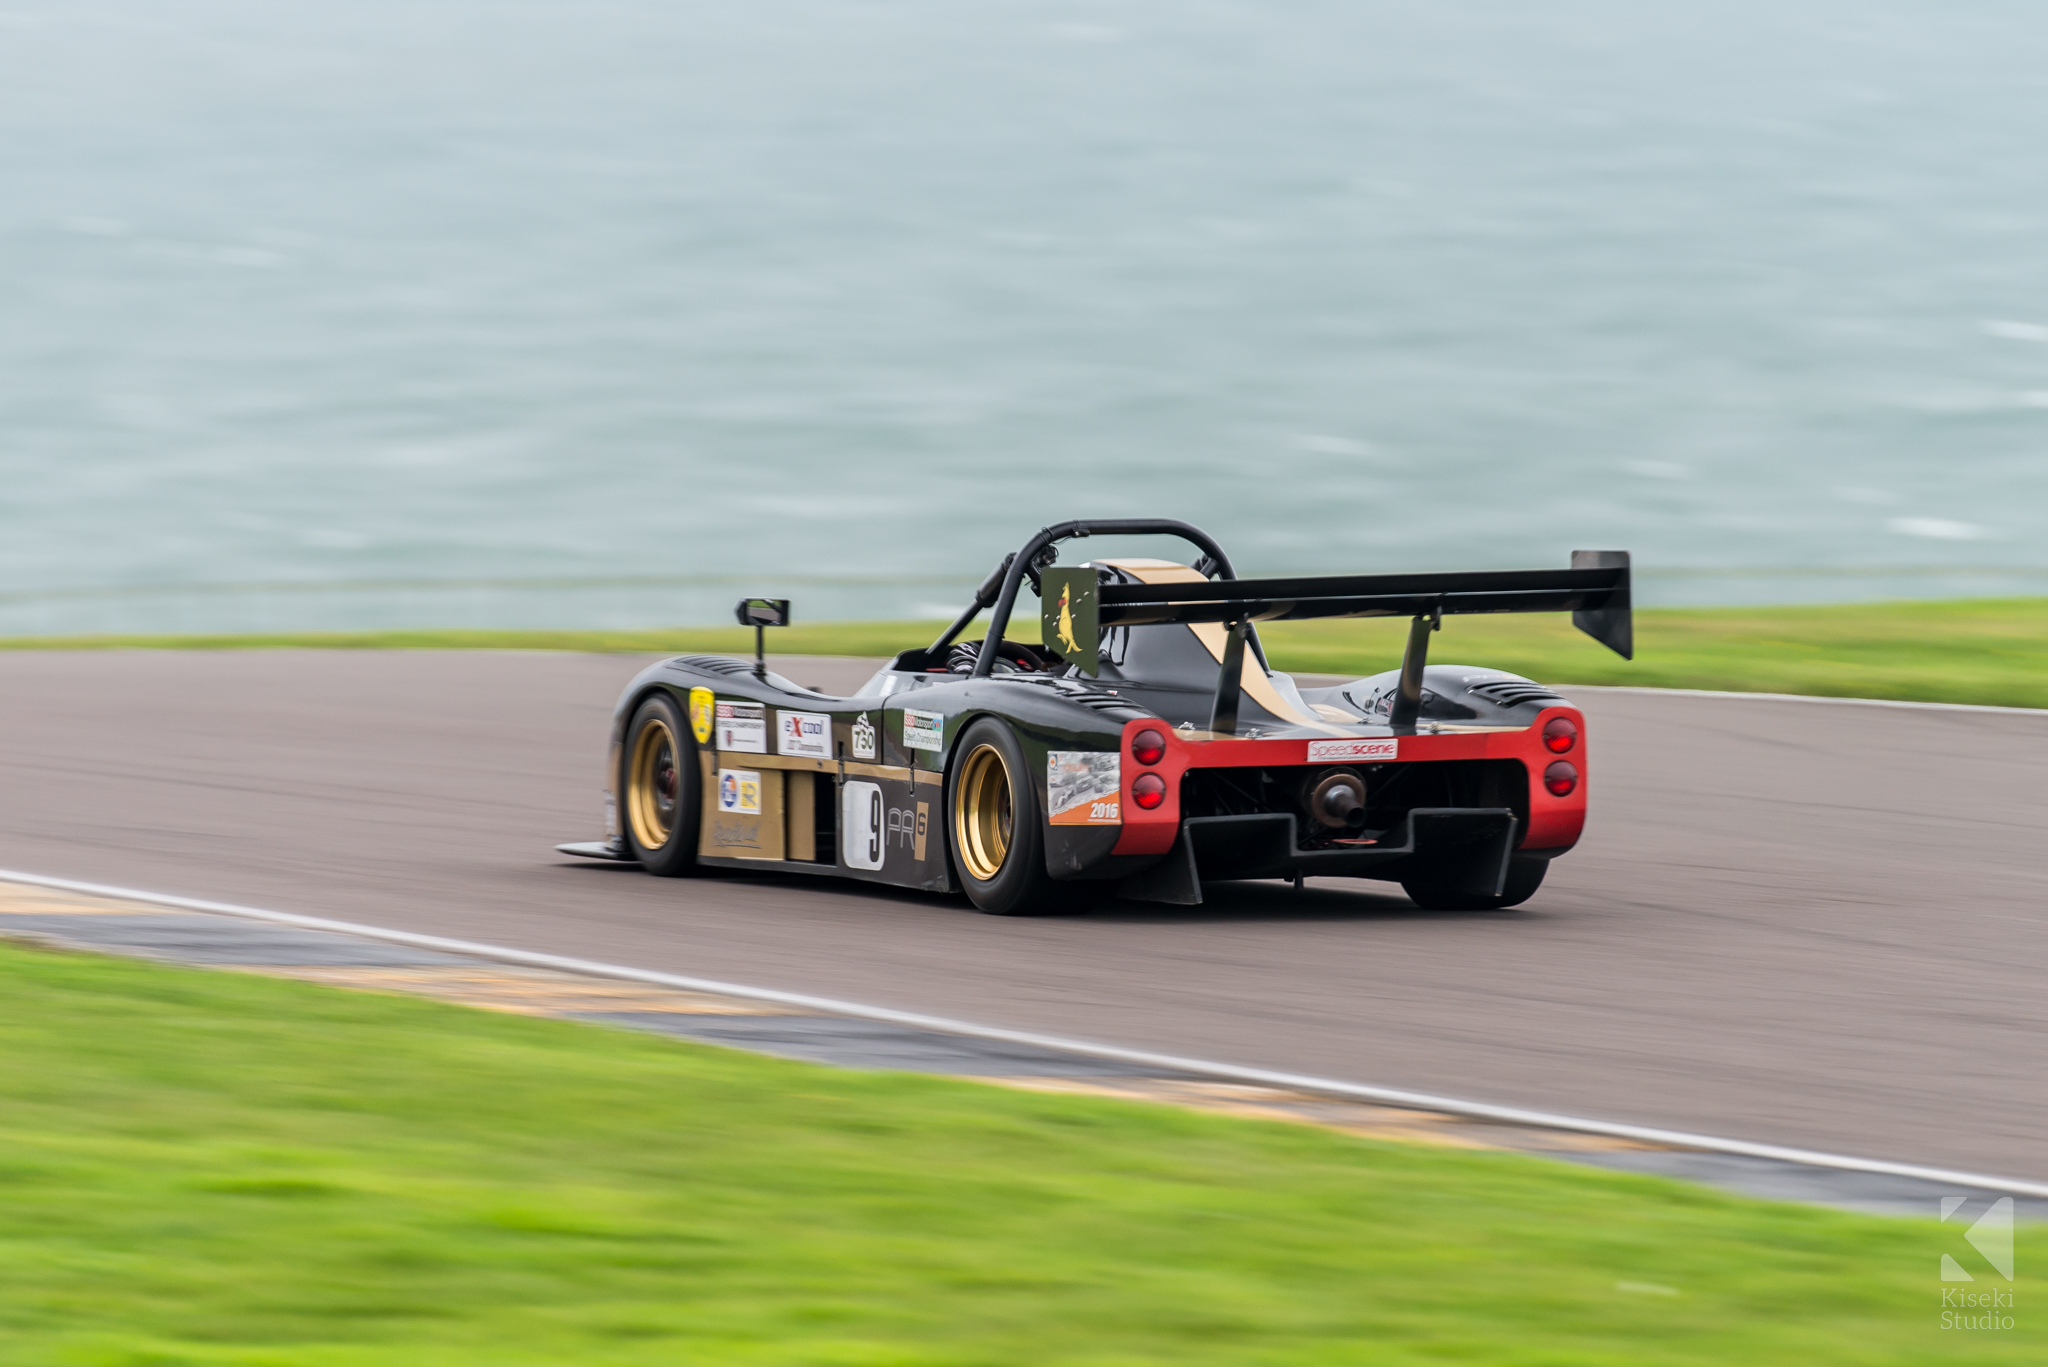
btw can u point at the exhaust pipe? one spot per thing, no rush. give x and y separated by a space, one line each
1336 799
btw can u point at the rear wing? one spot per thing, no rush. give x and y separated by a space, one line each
1595 591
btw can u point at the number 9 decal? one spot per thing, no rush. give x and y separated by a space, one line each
860 825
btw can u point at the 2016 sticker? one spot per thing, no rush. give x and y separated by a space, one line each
1085 787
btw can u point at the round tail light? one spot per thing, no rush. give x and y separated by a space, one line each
1148 790
1560 778
1560 734
1148 747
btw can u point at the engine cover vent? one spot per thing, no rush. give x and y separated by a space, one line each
1513 692
712 664
1108 703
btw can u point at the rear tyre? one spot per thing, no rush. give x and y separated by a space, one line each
660 789
1436 892
998 837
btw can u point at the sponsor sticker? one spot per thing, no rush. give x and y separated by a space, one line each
907 829
1352 751
804 734
743 834
1086 787
861 825
1070 611
742 726
739 792
863 737
923 730
702 707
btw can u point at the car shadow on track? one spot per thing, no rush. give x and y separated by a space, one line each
1262 901
1268 902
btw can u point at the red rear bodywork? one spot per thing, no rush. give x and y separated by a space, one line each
1553 823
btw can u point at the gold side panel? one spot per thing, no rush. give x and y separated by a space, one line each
707 789
742 835
799 805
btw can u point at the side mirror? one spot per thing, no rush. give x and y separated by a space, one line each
763 612
759 613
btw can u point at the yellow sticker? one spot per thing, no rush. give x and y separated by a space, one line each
701 707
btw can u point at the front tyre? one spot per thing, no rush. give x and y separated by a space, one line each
1435 892
997 834
660 789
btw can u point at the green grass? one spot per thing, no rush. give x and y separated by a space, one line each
1971 651
1968 651
212 1168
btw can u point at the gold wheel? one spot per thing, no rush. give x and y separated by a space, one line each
983 811
652 784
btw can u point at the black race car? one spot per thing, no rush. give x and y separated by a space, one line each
1146 747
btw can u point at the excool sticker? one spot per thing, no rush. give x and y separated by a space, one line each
807 735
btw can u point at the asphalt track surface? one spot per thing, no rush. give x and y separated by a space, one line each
1815 925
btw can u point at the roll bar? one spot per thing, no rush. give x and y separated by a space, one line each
1002 584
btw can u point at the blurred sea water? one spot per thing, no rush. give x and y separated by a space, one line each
457 313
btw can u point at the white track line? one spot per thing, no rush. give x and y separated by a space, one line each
1803 697
1512 1115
